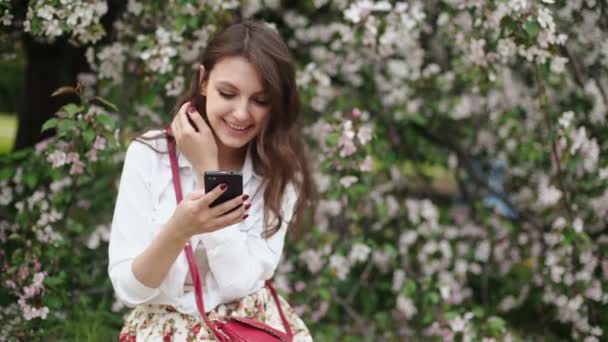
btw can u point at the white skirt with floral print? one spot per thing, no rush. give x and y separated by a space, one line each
152 322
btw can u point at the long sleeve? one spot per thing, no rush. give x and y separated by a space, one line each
131 226
240 261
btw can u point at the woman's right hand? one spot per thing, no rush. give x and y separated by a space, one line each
194 216
199 147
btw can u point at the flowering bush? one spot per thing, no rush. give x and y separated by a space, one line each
457 150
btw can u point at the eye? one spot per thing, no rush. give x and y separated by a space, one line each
225 95
261 102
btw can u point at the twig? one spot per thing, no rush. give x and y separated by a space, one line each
360 320
362 278
554 154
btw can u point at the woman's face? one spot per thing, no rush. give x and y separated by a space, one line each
237 105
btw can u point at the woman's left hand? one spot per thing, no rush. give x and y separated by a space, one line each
199 147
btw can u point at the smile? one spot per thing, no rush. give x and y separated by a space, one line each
238 129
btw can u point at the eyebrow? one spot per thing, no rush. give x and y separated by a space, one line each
230 85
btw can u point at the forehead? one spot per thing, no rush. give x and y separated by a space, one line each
237 72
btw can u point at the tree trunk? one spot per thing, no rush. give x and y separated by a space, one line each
48 67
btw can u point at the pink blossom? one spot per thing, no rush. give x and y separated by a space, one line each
365 134
100 143
367 164
57 159
321 311
117 306
406 307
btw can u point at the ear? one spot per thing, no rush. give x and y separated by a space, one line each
201 80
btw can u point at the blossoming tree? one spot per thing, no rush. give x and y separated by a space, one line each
456 144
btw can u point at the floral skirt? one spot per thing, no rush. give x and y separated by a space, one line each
151 322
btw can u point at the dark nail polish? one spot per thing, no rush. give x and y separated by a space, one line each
245 197
223 186
190 109
245 216
247 206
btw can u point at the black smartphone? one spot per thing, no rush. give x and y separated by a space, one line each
233 179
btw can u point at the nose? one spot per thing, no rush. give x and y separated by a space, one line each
241 112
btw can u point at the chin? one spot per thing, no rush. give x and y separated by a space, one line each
235 144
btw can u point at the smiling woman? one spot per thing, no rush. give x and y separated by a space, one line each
237 108
240 114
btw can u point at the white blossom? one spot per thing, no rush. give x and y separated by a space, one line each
359 253
339 265
406 307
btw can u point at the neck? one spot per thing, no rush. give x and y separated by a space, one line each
230 159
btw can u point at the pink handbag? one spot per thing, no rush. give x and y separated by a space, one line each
230 328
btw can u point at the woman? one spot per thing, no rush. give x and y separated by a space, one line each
245 87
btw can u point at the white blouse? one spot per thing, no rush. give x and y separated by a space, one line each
238 257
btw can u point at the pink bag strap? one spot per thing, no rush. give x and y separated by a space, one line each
177 185
198 285
275 296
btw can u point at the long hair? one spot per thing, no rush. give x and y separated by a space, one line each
278 153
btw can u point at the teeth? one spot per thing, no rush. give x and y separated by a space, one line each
238 128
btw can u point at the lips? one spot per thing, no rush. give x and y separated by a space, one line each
238 129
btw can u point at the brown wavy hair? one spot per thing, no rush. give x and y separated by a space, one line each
279 156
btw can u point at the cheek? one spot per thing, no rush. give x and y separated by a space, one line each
261 116
216 108
261 119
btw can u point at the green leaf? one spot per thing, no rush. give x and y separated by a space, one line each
30 180
53 280
105 120
89 135
81 124
50 123
496 324
6 173
180 23
72 109
51 300
65 126
77 227
532 28
324 294
193 22
332 139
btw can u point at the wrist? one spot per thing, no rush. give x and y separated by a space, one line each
200 172
176 233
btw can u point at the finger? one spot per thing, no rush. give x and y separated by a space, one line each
177 119
196 194
230 218
213 195
186 125
175 128
197 118
228 205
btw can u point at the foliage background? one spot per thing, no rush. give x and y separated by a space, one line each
457 146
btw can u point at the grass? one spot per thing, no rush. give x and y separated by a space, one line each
89 324
8 131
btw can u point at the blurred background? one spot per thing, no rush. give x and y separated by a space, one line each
457 148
